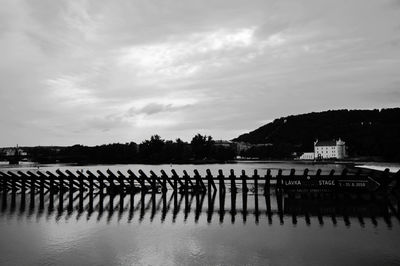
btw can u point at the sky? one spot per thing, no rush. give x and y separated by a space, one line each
96 72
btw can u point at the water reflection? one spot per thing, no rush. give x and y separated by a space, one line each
245 207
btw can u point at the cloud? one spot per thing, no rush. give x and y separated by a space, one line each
98 71
154 108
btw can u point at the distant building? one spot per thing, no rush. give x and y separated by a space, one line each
331 149
307 156
13 151
223 143
242 146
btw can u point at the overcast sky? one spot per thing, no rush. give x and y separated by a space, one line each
95 72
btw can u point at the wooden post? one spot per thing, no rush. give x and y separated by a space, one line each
112 188
174 176
154 179
51 193
244 182
267 184
210 180
199 181
167 179
221 179
176 209
144 177
4 178
198 209
130 180
13 190
41 193
81 188
164 205
153 205
33 181
279 180
6 181
142 206
233 181
61 192
255 176
211 200
268 205
186 210
41 187
111 203
279 200
121 201
256 211
233 204
187 180
113 177
71 193
221 203
161 180
23 188
244 197
141 183
177 180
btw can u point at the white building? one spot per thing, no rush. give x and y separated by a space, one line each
307 156
329 149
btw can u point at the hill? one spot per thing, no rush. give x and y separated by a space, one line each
366 132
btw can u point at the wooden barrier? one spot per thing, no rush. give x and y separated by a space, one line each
111 183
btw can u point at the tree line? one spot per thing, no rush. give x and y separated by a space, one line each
369 135
154 150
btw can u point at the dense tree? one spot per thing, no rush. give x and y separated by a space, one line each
201 146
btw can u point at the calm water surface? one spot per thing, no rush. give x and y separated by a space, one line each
203 229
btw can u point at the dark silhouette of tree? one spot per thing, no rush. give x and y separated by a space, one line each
201 146
152 150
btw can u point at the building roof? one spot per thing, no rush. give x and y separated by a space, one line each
326 143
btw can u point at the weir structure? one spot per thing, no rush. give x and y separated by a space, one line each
295 194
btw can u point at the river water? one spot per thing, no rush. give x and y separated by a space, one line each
202 229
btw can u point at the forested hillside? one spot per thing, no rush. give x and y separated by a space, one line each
366 132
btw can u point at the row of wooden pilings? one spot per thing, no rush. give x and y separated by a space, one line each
332 205
116 183
110 183
77 186
130 182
